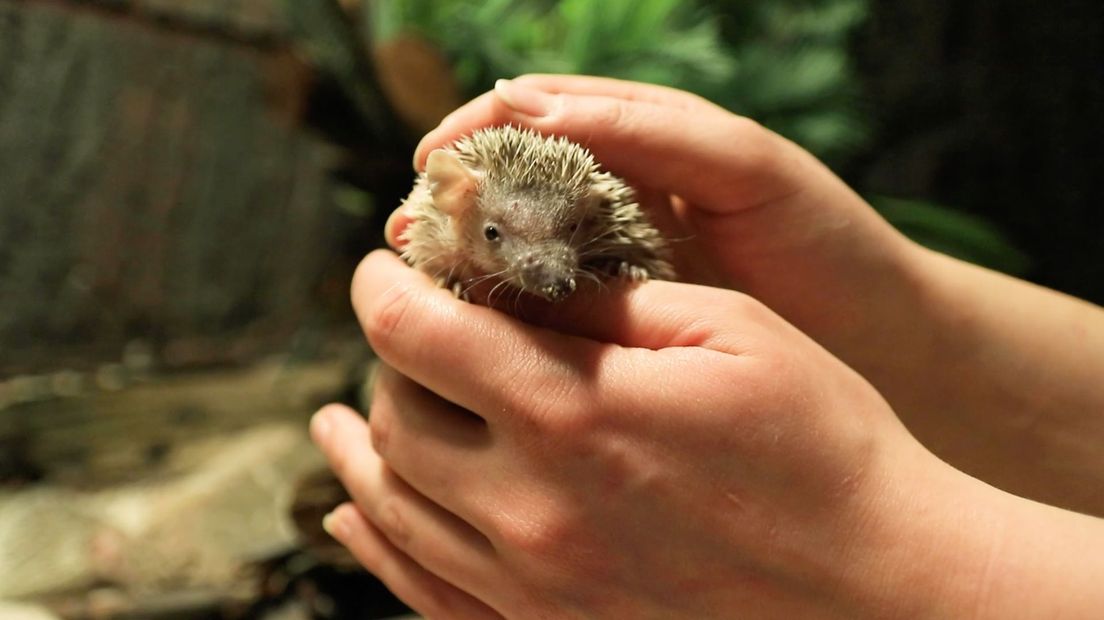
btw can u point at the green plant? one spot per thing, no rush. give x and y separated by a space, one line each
953 232
783 63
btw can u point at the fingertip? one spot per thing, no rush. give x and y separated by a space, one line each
326 422
395 226
425 145
344 522
335 526
435 139
322 422
421 152
526 100
320 426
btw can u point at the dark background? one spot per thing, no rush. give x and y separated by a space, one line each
996 108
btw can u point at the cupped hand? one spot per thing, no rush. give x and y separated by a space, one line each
669 450
747 209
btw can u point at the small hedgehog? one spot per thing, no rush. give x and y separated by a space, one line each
510 206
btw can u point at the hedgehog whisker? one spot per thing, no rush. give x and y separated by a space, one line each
601 251
571 240
491 293
436 275
591 249
594 278
448 278
517 302
474 282
601 236
504 285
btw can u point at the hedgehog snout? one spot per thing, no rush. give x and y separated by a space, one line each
557 290
550 275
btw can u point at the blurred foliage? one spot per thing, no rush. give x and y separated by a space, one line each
953 232
503 38
785 63
782 63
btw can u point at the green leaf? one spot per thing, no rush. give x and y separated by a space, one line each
955 233
353 201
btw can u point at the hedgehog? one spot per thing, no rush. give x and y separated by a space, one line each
509 206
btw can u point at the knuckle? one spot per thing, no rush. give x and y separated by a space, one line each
379 430
729 321
571 419
388 315
436 601
747 307
613 113
543 539
746 127
760 148
751 134
392 521
557 410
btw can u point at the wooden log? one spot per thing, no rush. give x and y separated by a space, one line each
150 429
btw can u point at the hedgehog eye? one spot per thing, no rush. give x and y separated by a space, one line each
574 226
491 232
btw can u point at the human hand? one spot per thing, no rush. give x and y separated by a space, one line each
982 368
747 209
684 452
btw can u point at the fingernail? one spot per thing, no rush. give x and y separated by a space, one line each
528 101
332 526
320 425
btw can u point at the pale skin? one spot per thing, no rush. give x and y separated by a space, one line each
683 450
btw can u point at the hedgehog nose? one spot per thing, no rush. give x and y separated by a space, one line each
558 289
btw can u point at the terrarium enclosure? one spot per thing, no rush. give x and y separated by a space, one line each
186 187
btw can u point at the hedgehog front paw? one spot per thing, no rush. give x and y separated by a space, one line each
456 286
460 292
634 273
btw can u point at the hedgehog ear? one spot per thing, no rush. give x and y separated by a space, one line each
451 183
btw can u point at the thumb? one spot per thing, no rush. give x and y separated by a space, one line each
653 315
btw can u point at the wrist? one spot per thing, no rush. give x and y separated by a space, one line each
941 544
829 264
929 543
1000 378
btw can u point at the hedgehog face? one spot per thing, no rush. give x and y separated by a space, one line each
528 239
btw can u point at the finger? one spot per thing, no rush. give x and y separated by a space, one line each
416 323
423 591
620 89
421 529
463 352
465 119
506 370
436 447
396 224
718 161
